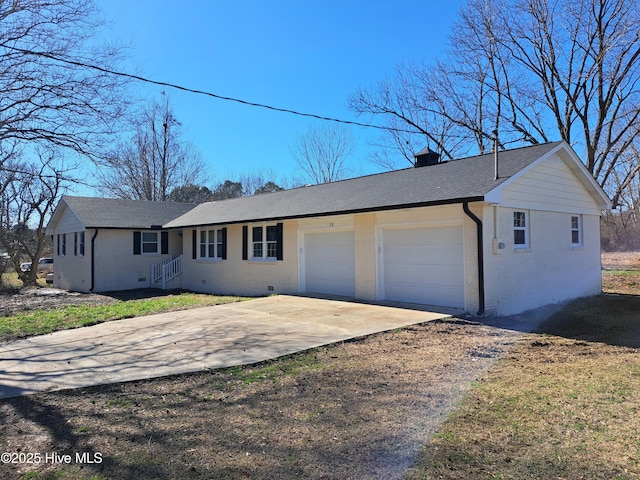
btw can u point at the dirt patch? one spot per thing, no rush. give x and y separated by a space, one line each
45 298
36 298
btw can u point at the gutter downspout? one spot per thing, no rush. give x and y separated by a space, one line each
93 259
478 222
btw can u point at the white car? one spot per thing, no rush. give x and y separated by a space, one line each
44 264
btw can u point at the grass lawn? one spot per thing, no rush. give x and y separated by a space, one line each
563 404
10 280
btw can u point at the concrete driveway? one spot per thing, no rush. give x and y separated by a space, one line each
190 340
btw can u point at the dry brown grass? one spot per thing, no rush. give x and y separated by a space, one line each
562 404
354 410
621 272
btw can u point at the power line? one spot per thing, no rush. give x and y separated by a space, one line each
202 92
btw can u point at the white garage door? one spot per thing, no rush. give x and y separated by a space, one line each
424 265
329 263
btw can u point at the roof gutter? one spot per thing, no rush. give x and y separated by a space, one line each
93 260
465 207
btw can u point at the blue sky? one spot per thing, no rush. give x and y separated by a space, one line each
305 55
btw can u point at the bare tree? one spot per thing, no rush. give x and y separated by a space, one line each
530 71
259 181
48 96
51 101
412 102
156 159
31 193
322 152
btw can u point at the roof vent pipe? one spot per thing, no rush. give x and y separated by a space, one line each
495 155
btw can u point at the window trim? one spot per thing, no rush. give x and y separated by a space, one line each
268 244
156 242
524 228
219 244
162 242
577 230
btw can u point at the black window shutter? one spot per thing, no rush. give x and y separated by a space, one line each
279 241
137 242
245 242
223 253
194 244
164 243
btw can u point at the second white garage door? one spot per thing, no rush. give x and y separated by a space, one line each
424 265
329 263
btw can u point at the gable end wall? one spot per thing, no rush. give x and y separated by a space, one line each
550 186
68 222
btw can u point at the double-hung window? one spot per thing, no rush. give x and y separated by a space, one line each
576 231
257 242
262 242
520 230
149 242
265 242
212 244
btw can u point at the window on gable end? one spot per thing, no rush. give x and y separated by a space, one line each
520 229
576 231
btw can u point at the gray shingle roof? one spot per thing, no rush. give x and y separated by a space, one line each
450 182
120 213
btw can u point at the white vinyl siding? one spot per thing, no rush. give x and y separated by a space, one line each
549 186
